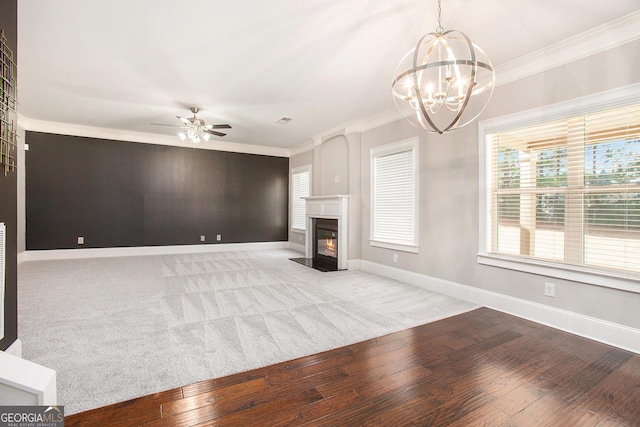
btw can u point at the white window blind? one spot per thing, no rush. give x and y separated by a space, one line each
301 182
568 191
394 189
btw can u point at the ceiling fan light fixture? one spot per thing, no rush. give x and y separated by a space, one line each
444 82
195 130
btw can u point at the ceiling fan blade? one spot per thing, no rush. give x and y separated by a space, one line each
185 120
224 126
213 132
163 124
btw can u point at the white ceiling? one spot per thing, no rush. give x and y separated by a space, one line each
122 65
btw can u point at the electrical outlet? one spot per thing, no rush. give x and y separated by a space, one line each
202 238
219 237
550 289
395 257
336 178
81 240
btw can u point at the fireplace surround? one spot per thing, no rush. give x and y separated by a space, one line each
318 210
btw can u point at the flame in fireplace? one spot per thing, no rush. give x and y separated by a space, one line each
331 246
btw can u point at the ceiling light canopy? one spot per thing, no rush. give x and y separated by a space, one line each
444 82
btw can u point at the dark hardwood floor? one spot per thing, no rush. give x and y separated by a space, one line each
479 368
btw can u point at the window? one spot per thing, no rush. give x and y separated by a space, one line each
394 196
565 194
301 187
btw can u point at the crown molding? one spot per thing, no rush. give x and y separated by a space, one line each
342 129
144 138
355 126
301 148
595 40
387 116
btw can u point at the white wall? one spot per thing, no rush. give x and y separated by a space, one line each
334 173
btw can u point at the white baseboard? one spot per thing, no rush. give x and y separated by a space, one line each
58 254
589 327
296 247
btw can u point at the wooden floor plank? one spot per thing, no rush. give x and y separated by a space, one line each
131 412
479 368
586 412
487 415
229 393
542 412
519 398
455 409
595 373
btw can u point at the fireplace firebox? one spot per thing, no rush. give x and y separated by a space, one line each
325 246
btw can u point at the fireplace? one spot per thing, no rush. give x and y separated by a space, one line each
325 246
326 238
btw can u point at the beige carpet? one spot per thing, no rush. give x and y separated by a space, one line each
118 328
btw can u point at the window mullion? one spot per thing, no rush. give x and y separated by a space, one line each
574 199
493 195
528 203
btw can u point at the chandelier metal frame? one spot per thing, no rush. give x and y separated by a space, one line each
431 97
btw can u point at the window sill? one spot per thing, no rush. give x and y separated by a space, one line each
298 230
566 272
404 247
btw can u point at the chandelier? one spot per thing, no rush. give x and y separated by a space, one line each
444 82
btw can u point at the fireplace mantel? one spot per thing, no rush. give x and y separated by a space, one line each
332 207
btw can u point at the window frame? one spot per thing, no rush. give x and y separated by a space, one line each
299 169
619 97
412 246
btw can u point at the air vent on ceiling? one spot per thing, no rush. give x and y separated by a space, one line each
284 120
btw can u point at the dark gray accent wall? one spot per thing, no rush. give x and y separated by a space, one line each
124 194
9 200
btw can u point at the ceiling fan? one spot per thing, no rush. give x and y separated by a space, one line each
195 129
